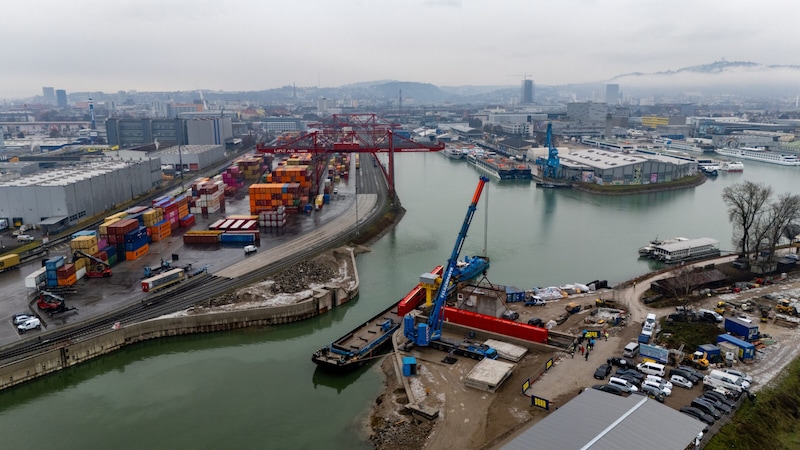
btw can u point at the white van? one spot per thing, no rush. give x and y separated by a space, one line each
631 350
651 368
718 378
623 384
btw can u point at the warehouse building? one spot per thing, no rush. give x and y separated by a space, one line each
192 157
617 168
598 420
66 195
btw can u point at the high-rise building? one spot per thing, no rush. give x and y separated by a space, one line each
61 98
612 94
527 92
49 95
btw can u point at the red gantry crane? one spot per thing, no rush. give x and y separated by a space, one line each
352 133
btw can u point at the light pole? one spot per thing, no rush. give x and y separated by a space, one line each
356 177
180 163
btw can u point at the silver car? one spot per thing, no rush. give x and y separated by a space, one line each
678 380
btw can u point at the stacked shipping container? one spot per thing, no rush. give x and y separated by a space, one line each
59 273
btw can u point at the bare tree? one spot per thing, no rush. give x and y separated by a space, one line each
746 201
782 213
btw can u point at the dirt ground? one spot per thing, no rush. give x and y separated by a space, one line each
474 419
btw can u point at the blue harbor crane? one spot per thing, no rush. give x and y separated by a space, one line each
552 165
429 333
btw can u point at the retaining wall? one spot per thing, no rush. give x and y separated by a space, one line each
67 353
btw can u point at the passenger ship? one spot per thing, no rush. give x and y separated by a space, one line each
500 167
760 154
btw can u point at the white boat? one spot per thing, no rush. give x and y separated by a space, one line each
732 166
760 154
649 249
454 152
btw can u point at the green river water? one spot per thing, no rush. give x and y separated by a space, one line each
259 389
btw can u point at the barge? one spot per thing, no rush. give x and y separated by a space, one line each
368 341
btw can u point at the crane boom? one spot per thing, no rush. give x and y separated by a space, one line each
432 329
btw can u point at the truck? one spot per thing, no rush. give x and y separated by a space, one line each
97 269
52 303
9 262
150 271
746 329
573 307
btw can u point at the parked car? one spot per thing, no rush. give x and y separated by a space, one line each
658 379
661 387
632 380
724 407
21 317
696 373
623 384
620 362
25 238
250 249
30 324
653 392
706 407
698 414
602 372
722 397
536 321
631 373
608 388
678 380
510 315
690 376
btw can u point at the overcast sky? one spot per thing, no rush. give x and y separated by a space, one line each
166 45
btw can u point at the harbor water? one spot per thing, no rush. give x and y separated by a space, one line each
259 389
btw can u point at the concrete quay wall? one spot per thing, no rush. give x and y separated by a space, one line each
68 353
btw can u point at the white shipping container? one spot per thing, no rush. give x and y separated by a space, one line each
80 273
36 278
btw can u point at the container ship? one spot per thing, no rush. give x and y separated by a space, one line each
501 167
367 341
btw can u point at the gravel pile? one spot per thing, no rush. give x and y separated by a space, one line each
399 435
301 276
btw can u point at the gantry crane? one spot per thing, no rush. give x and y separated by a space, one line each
351 133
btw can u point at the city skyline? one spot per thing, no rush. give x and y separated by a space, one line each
146 45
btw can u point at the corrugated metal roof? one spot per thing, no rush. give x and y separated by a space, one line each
599 420
691 243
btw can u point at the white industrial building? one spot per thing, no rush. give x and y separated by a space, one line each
66 195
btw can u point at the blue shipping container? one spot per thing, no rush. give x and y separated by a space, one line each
135 235
110 250
84 233
55 263
51 274
52 283
237 238
133 246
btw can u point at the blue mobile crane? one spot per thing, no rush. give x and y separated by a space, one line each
429 333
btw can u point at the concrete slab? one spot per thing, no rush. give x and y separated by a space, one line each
488 375
507 351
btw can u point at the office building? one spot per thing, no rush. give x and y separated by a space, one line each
612 94
49 95
61 98
527 92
